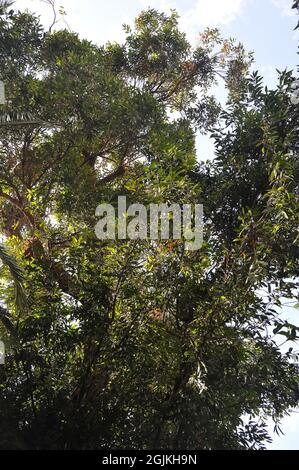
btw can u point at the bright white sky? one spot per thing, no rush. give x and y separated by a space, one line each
264 26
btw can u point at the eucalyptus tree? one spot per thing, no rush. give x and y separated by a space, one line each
142 344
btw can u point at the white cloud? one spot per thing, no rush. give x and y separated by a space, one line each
285 7
43 9
203 13
100 23
289 441
91 19
270 75
161 5
214 12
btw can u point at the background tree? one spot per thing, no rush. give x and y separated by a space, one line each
135 344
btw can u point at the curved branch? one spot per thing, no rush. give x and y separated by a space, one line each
17 204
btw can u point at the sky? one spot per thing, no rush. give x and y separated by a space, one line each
263 26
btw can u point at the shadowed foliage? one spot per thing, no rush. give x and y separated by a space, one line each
141 344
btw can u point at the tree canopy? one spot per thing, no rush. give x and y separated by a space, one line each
141 344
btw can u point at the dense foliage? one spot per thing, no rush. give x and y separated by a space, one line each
139 344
